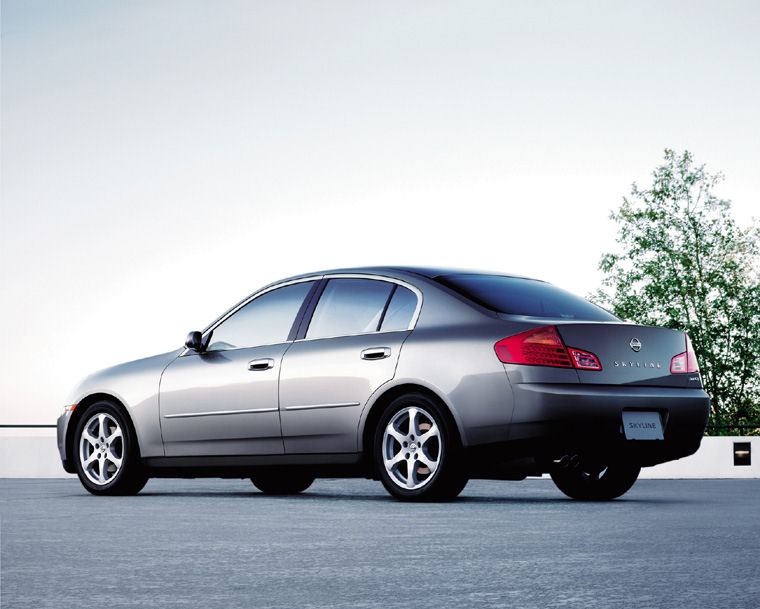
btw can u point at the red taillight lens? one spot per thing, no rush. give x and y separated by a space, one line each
691 357
544 347
584 360
539 347
685 362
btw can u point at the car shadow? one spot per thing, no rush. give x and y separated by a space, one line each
307 497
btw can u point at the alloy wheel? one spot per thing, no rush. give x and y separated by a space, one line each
412 448
101 448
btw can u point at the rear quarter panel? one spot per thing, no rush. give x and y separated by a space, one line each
459 364
451 352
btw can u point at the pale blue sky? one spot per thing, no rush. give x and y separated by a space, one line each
160 160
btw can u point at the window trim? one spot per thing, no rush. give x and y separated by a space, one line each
301 336
305 319
313 298
387 304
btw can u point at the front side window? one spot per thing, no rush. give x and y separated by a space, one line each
266 320
349 306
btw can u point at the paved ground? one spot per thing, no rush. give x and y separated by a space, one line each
344 543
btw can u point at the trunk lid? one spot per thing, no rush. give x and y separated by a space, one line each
629 354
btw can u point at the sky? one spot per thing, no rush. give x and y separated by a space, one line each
161 160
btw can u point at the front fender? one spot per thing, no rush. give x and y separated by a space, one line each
136 385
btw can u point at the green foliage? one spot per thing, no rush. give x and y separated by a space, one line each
684 263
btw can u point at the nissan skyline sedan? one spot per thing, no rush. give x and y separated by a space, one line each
421 378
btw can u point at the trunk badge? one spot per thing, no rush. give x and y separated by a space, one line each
635 344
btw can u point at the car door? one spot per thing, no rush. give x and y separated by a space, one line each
348 350
224 401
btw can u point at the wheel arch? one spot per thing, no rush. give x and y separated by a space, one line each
388 394
79 412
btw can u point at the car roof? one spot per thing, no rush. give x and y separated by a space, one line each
433 272
424 271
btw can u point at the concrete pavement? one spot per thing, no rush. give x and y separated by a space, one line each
345 543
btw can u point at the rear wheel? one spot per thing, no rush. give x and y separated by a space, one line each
281 483
417 452
107 458
590 479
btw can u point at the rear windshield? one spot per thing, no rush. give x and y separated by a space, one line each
517 296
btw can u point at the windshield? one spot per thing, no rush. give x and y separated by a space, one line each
518 296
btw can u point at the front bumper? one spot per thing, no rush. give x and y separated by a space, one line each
553 419
62 426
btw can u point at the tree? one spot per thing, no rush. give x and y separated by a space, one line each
684 263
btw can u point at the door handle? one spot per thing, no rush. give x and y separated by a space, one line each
376 353
261 364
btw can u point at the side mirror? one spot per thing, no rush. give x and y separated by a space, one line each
194 341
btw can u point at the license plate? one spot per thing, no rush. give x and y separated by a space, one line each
642 425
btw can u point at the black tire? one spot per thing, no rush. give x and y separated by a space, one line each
281 482
593 481
129 477
449 479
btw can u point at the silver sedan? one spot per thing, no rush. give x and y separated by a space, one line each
421 378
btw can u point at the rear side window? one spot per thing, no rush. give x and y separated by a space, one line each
349 306
400 311
517 296
266 320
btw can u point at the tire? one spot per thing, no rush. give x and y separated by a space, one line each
106 453
431 448
590 480
281 482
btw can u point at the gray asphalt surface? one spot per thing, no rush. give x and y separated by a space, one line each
345 543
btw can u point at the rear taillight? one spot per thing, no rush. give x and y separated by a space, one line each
543 347
678 364
539 347
685 362
691 357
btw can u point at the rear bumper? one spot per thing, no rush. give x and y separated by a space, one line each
552 419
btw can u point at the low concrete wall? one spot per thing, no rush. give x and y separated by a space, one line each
33 453
714 459
30 453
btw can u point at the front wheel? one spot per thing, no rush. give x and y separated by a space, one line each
107 458
590 480
417 452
